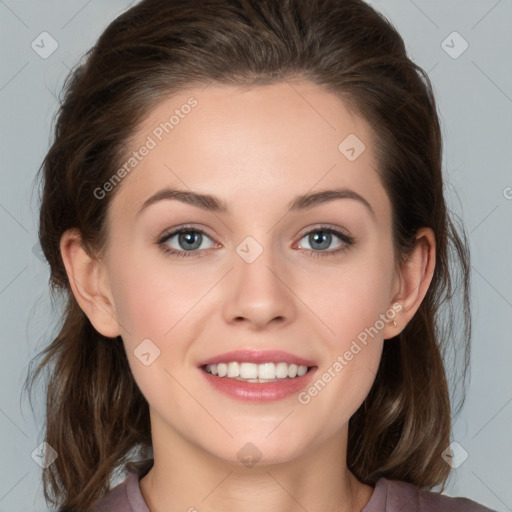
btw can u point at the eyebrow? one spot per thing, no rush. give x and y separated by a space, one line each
214 204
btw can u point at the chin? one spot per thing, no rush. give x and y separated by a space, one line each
244 452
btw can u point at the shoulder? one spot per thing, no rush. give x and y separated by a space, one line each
405 496
124 497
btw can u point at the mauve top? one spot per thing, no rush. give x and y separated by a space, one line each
388 496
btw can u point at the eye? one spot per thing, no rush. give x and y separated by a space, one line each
321 238
188 241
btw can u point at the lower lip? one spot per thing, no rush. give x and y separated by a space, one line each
259 391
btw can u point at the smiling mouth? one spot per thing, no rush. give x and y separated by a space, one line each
257 373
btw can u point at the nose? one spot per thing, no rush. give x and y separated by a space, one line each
259 293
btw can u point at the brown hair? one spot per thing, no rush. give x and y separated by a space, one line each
96 417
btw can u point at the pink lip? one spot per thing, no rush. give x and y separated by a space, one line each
259 391
258 356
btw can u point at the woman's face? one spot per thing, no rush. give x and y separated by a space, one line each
258 276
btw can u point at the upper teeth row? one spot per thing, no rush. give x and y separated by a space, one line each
256 371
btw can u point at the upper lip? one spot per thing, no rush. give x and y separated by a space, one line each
257 356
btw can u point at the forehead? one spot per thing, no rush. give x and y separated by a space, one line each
252 145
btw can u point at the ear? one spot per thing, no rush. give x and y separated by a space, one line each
414 278
89 283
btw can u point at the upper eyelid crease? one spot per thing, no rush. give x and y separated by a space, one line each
214 204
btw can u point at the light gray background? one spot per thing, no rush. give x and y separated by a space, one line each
474 93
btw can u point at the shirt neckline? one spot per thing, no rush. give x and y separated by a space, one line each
376 502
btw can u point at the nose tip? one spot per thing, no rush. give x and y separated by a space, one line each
258 295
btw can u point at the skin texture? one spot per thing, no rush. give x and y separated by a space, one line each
256 149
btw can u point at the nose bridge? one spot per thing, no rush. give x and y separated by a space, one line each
258 294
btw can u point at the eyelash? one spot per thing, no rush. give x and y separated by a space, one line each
348 240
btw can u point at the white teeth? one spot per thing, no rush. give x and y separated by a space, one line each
211 368
233 370
267 371
301 370
252 372
222 369
281 370
292 370
248 370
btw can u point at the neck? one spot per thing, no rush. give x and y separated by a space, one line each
186 478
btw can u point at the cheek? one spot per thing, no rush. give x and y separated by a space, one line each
152 303
352 344
350 298
151 296
159 302
351 304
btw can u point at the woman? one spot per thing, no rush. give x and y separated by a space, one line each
244 207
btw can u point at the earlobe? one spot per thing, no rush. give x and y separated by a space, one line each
414 280
89 284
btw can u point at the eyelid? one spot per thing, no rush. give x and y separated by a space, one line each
325 227
182 228
347 239
161 242
302 234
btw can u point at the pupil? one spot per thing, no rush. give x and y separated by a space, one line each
322 234
188 238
